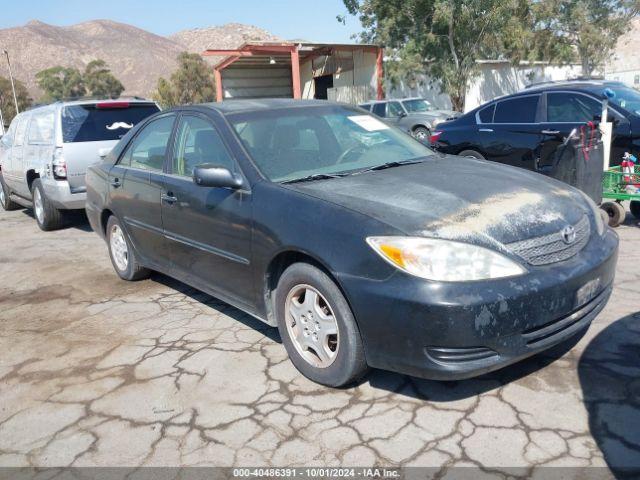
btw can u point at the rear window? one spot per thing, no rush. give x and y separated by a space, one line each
517 110
89 123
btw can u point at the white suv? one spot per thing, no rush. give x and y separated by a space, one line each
46 151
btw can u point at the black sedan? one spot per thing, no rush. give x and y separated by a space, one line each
526 128
363 246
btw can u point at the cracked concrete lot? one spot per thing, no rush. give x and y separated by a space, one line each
95 371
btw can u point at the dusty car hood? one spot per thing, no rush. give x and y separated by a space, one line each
457 198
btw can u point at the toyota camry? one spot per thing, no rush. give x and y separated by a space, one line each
363 246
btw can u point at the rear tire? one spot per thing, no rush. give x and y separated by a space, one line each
123 257
47 216
317 327
472 154
5 197
635 208
615 212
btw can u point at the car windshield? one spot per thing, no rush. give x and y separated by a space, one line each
94 122
417 105
627 98
295 143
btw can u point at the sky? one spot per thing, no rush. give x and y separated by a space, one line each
290 19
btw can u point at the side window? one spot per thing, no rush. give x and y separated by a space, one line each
41 129
7 139
149 148
197 142
517 110
571 107
394 109
20 130
486 114
379 109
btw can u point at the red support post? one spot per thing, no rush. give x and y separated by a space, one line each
295 73
218 78
380 73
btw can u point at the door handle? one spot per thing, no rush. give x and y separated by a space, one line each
115 183
485 129
550 132
168 198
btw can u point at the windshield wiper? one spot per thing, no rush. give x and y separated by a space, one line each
384 166
315 176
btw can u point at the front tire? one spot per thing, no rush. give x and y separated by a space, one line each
635 208
122 255
317 327
47 216
422 134
5 197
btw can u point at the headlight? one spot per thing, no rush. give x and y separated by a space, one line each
595 210
444 260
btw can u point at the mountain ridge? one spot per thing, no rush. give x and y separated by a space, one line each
137 57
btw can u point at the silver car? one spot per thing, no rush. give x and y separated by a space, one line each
415 115
46 151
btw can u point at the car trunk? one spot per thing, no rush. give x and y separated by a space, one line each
89 128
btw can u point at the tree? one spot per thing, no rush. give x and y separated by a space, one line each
60 82
192 82
100 82
590 28
442 38
7 104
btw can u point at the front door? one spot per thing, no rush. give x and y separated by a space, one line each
208 229
136 182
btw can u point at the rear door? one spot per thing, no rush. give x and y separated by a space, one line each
39 143
514 134
136 183
208 229
89 128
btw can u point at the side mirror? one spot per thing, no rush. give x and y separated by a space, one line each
402 114
209 175
103 152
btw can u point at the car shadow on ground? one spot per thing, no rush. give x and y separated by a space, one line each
218 305
609 372
431 390
75 219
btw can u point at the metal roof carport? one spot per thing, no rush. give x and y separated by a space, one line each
259 70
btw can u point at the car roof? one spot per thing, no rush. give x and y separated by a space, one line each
592 86
88 101
259 104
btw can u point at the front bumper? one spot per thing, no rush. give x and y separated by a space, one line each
60 194
449 331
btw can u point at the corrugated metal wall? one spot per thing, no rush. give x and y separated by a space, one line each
270 81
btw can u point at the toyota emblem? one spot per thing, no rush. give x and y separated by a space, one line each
568 234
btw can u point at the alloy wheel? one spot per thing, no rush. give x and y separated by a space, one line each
38 205
119 248
312 326
2 198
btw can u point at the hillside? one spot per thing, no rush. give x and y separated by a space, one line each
137 57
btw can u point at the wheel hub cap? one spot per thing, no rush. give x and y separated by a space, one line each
119 249
312 326
37 205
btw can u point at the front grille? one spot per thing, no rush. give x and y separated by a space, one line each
552 248
459 355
